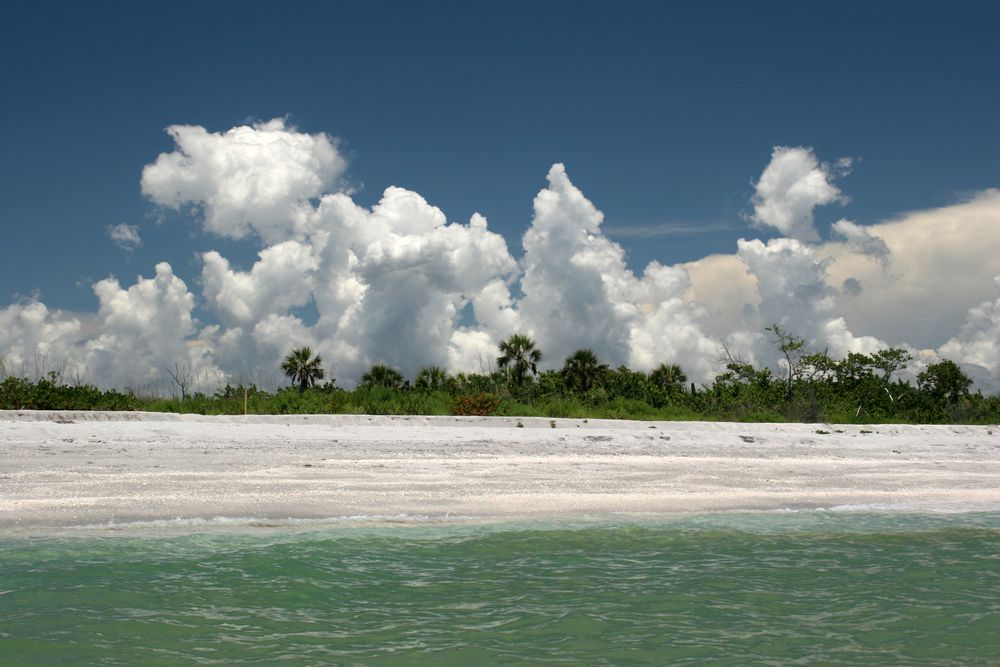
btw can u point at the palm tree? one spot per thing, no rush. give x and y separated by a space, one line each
668 376
302 369
583 370
519 354
432 378
381 375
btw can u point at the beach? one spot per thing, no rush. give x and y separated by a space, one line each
93 469
456 541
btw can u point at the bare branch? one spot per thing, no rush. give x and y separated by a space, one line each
181 376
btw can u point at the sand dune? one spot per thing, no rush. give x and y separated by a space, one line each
62 469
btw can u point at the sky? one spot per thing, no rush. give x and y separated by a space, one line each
655 179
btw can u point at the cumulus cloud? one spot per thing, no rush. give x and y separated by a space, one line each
794 293
574 277
672 331
138 332
125 236
793 184
941 262
144 329
790 282
401 284
828 291
977 344
248 179
388 283
579 292
408 275
35 340
280 280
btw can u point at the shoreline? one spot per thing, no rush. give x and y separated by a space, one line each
65 470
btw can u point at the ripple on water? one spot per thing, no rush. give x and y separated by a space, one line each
755 589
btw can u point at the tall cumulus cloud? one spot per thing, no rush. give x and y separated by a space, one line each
401 284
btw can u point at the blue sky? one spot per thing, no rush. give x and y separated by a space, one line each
662 112
665 115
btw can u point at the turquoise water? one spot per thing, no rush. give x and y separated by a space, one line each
779 589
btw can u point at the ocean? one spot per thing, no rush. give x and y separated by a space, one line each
784 588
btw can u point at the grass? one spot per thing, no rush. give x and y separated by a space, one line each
20 394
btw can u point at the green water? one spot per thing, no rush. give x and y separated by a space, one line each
809 588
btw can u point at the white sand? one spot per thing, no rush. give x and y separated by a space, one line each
84 469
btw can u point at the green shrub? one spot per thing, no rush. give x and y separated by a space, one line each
625 408
679 413
21 394
512 408
386 401
565 408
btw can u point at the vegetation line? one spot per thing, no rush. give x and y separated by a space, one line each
812 388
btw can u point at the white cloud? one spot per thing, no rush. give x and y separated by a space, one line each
977 344
280 333
398 283
35 340
399 267
937 265
726 291
280 280
495 309
145 329
794 293
412 273
137 334
790 283
248 179
574 278
388 285
472 350
672 332
126 236
941 263
791 186
579 293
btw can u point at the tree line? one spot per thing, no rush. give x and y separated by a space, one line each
811 387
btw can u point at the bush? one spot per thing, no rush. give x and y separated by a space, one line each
475 405
21 394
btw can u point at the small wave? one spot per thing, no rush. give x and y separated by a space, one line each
921 508
223 522
700 590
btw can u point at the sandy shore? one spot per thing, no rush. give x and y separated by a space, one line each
99 469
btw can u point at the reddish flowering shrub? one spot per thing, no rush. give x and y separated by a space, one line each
475 405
